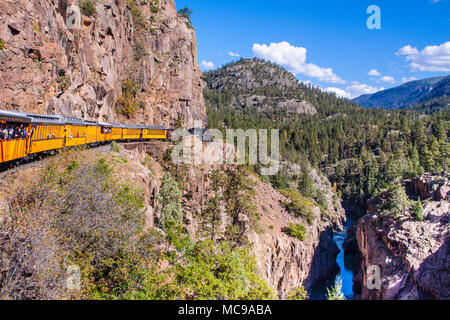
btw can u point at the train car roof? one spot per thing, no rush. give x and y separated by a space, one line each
71 120
46 119
155 128
104 124
14 116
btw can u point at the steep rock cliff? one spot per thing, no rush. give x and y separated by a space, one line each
412 255
49 66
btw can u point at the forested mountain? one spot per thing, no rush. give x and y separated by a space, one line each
408 94
361 150
269 88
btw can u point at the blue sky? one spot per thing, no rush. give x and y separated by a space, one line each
327 42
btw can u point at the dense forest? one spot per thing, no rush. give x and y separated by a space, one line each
361 150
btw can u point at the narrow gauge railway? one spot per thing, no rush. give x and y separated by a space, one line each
24 136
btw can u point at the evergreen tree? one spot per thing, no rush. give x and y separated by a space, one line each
306 185
169 202
336 292
418 211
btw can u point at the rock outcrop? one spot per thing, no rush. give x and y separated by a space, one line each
260 84
432 186
412 255
53 65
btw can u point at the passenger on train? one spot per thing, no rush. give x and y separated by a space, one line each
13 131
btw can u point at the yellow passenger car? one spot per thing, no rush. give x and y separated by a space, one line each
131 132
75 132
117 132
105 132
13 148
154 133
47 133
92 132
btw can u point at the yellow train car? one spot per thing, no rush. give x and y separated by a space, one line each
47 133
74 132
92 132
13 144
117 132
154 133
131 132
105 132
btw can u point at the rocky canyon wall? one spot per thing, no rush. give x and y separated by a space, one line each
412 255
49 67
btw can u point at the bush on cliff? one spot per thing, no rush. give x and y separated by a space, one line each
87 8
299 205
2 45
295 230
127 103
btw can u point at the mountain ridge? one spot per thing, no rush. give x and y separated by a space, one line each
407 94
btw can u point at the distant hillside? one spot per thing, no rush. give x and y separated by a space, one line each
267 87
408 94
433 105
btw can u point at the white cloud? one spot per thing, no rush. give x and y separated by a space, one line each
359 89
374 73
294 59
388 79
339 92
354 90
406 79
234 54
207 65
431 58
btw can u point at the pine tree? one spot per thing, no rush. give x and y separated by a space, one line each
306 185
169 202
418 211
336 292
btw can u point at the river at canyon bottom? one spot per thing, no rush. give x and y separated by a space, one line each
345 271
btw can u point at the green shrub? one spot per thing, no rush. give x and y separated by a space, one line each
298 294
295 230
3 45
417 210
127 103
63 83
221 271
138 18
186 13
87 8
115 147
139 50
299 205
